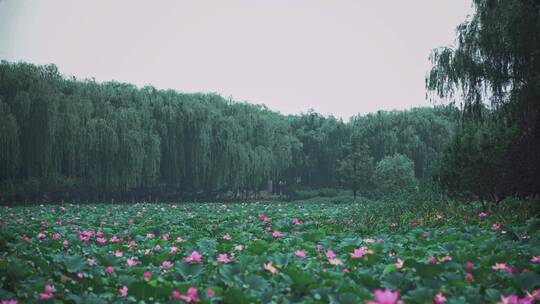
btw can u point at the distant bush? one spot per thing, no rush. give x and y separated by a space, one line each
394 175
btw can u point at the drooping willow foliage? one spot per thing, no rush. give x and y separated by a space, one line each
495 67
64 138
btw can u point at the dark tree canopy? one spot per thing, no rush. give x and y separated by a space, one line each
64 138
394 175
495 68
356 168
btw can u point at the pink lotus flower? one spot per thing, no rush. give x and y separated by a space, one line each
26 238
227 237
394 225
345 270
414 225
264 218
499 266
165 237
330 254
300 254
319 247
277 234
439 299
513 299
482 215
49 289
91 262
535 259
132 262
41 235
335 261
369 241
270 268
48 294
150 235
223 258
432 260
109 269
147 275
399 263
123 291
176 295
99 234
174 250
425 235
167 264
191 295
296 222
446 258
385 296
439 217
469 267
195 257
469 277
65 243
358 253
56 235
496 226
118 254
210 292
45 296
9 302
536 294
114 239
88 233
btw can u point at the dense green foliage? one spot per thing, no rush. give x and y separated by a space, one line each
318 254
63 138
495 67
394 175
68 139
356 169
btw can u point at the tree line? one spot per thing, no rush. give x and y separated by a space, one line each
78 139
64 138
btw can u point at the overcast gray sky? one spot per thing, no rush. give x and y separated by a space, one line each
336 56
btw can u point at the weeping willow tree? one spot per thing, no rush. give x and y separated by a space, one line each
495 68
68 138
9 142
63 138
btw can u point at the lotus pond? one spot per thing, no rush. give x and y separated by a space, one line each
262 253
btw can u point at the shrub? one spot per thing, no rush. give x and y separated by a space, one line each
394 175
